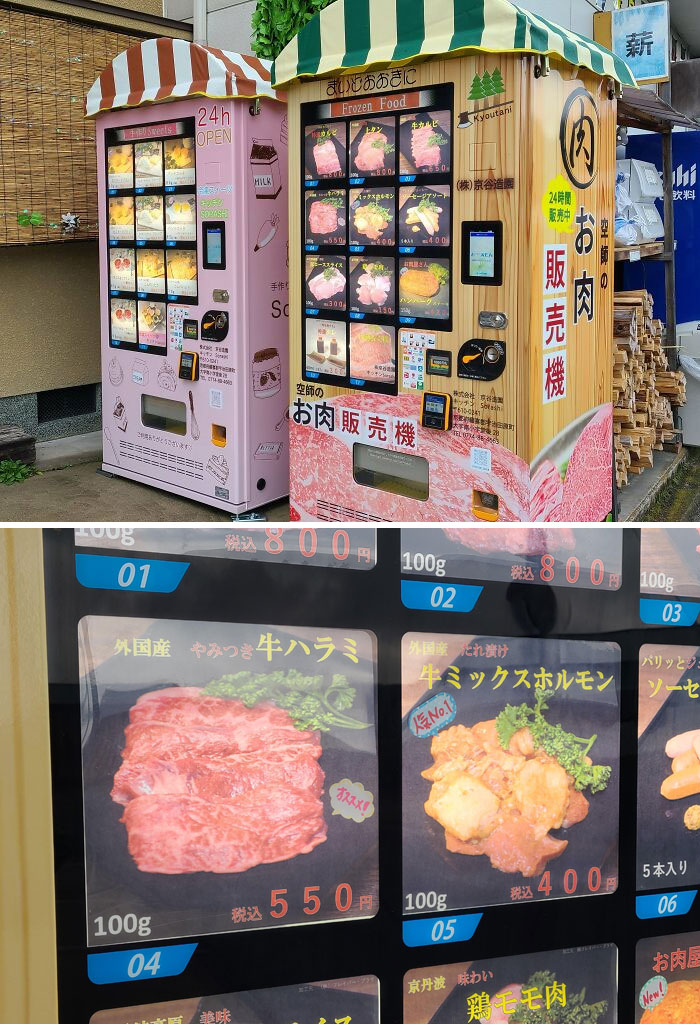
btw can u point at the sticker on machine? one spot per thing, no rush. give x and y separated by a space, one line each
229 776
517 799
578 984
344 1000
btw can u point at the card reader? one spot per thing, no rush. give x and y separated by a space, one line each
436 411
189 366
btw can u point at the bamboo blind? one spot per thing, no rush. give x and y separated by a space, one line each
47 147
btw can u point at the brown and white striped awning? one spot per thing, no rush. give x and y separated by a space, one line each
158 70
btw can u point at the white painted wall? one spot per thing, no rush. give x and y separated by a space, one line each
229 20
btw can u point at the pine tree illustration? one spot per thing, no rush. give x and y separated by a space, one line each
477 92
497 82
487 85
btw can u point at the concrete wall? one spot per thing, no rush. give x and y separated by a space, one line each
49 317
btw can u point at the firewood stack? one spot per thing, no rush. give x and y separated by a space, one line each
645 390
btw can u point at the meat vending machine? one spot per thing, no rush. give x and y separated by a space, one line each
431 776
192 158
451 215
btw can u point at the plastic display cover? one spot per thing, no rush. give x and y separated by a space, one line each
226 693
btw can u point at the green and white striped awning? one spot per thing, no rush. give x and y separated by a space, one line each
352 35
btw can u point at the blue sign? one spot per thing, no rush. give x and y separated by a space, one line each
108 572
139 964
449 597
657 612
667 904
642 37
436 931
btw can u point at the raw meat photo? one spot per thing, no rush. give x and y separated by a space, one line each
211 773
247 792
372 355
372 285
372 147
425 142
325 218
325 150
325 282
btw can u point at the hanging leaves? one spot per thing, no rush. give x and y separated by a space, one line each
28 218
275 22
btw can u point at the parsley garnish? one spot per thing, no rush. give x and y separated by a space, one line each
576 1011
569 750
310 701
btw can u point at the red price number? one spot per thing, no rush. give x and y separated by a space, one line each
307 541
570 882
572 569
279 904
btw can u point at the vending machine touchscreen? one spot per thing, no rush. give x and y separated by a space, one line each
450 193
188 404
332 775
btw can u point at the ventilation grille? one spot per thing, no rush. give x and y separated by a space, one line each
332 513
64 403
162 460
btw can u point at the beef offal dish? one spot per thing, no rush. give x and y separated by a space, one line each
502 785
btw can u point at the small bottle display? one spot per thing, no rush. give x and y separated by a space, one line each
326 347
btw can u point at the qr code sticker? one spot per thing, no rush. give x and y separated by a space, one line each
216 398
481 459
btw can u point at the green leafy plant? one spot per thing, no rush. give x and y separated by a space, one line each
569 750
275 22
576 1010
12 471
311 701
30 218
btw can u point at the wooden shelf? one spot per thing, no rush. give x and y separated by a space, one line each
624 252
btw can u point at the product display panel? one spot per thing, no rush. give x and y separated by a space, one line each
389 220
151 204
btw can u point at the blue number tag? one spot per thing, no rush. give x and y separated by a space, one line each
107 572
450 597
657 612
435 931
139 964
667 904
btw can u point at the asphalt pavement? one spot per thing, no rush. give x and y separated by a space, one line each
80 493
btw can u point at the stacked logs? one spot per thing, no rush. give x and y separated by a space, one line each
645 390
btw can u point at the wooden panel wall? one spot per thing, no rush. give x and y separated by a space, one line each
27 928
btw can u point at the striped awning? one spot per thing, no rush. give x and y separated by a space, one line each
158 70
352 35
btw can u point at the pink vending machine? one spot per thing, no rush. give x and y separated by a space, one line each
192 174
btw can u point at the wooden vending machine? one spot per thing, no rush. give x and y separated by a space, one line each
192 169
451 264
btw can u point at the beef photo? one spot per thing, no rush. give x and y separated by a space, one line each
372 147
326 159
370 153
323 218
208 784
327 283
517 540
372 353
588 480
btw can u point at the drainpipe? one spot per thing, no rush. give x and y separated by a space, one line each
199 26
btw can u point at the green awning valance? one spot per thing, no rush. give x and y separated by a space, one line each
357 34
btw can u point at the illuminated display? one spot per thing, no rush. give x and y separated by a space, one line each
376 199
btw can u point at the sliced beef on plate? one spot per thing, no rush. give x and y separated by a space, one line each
588 481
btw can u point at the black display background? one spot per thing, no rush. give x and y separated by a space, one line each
218 590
